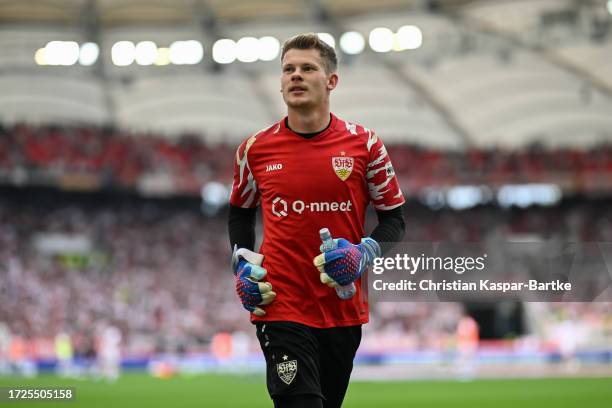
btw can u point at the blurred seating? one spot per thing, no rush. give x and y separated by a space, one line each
161 273
118 159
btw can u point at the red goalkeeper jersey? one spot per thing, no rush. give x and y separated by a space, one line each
303 185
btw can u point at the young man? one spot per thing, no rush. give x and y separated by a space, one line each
311 170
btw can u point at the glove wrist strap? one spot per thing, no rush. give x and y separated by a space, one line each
246 254
371 250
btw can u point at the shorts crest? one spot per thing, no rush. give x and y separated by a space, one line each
287 371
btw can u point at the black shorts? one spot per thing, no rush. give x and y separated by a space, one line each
302 360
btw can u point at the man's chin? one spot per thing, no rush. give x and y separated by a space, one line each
297 103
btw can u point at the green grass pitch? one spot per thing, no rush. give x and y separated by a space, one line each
226 391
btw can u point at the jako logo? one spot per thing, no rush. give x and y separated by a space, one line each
273 167
280 207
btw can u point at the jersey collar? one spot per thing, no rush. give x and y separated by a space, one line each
332 126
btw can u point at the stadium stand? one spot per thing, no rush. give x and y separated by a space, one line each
133 262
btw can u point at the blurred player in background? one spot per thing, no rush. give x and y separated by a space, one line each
64 352
21 356
567 334
310 170
109 352
468 338
5 346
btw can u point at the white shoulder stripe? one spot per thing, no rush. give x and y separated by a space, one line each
382 155
372 173
387 207
351 127
252 188
372 138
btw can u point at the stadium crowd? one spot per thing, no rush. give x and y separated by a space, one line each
160 274
124 159
160 278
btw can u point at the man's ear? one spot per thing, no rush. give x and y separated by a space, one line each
332 81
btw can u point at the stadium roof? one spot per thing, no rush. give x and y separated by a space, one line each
489 73
119 12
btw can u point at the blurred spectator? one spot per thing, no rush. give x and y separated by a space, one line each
109 157
160 273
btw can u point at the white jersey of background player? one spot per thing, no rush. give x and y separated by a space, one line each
109 352
5 344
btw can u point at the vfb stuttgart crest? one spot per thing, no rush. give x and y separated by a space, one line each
343 166
287 371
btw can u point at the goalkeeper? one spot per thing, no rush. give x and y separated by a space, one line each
311 170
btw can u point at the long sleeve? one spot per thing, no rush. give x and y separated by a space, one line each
390 229
241 227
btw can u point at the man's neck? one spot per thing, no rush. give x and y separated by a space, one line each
308 122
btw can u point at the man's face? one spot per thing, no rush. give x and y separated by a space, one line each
304 81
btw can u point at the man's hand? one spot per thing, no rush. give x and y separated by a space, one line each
347 262
249 273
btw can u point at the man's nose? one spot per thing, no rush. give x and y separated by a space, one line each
296 75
